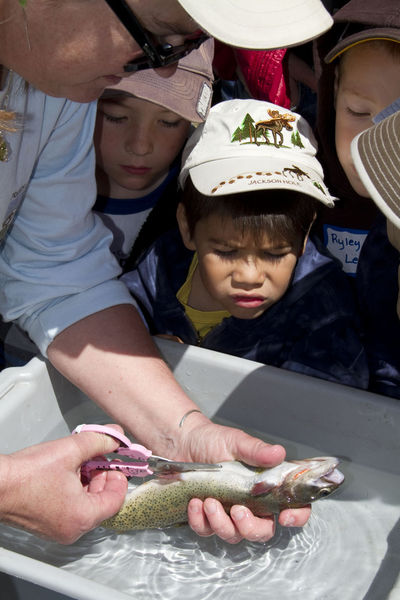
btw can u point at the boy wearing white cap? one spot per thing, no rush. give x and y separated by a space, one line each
247 280
142 125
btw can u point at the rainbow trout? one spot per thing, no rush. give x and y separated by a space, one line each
162 502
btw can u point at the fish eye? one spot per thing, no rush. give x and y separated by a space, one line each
324 492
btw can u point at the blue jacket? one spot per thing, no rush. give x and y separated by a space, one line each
377 289
312 329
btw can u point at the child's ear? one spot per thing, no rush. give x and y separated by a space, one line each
184 227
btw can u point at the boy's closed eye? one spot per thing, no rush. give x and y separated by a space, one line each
225 253
270 255
174 123
112 111
356 105
275 257
113 118
359 113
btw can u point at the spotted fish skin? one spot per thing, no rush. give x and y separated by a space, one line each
162 502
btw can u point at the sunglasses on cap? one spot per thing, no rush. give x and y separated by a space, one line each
155 56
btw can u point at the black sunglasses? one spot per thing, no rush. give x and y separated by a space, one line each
154 56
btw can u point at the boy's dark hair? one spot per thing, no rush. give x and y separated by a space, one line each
280 214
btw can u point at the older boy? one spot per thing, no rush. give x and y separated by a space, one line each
142 125
247 280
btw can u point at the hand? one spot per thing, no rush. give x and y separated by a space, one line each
213 443
41 490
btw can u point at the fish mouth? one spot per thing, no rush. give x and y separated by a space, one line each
334 476
326 474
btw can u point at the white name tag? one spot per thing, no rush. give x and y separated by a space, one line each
345 244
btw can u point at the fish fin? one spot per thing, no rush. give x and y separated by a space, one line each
262 487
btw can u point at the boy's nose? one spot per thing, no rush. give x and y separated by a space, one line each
139 144
249 274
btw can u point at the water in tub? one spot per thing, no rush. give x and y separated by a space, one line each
349 550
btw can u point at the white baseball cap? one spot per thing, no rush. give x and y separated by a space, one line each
264 24
250 145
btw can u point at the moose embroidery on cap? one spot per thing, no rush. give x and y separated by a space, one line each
275 125
271 132
251 130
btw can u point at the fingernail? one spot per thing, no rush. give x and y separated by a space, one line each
194 508
240 514
289 522
277 449
210 507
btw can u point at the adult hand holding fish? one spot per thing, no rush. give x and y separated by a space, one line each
53 469
203 440
162 502
207 519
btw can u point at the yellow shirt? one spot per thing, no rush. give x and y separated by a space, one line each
202 320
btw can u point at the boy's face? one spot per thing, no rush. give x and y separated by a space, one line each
235 273
369 81
136 142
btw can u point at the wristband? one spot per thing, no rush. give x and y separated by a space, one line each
194 410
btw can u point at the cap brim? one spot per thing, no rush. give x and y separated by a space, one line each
230 176
387 34
187 92
182 98
375 154
257 24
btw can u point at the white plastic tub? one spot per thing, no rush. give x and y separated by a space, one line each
37 404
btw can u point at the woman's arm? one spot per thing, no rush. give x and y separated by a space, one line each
112 358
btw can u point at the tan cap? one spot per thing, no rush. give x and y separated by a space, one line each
388 34
360 21
187 92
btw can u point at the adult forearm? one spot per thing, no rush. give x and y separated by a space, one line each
111 357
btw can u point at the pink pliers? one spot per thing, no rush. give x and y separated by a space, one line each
142 462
